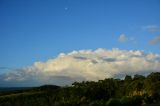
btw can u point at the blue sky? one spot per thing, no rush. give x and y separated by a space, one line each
36 30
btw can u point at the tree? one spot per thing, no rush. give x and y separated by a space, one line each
128 78
138 77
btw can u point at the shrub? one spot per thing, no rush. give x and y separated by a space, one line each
126 101
113 102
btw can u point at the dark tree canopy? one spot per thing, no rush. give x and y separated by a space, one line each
108 92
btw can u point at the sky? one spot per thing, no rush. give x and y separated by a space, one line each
34 31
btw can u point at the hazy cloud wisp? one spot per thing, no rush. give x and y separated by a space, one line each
155 40
152 28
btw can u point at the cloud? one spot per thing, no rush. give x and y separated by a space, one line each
4 68
155 40
122 38
152 28
83 65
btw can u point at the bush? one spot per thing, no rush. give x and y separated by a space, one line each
97 103
113 102
137 100
126 101
148 99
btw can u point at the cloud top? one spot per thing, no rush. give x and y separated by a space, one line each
84 65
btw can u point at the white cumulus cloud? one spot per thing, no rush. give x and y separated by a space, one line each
84 65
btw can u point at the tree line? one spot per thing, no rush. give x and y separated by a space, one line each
131 91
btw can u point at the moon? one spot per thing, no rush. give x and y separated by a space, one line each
66 8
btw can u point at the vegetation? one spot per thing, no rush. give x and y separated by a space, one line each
136 91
